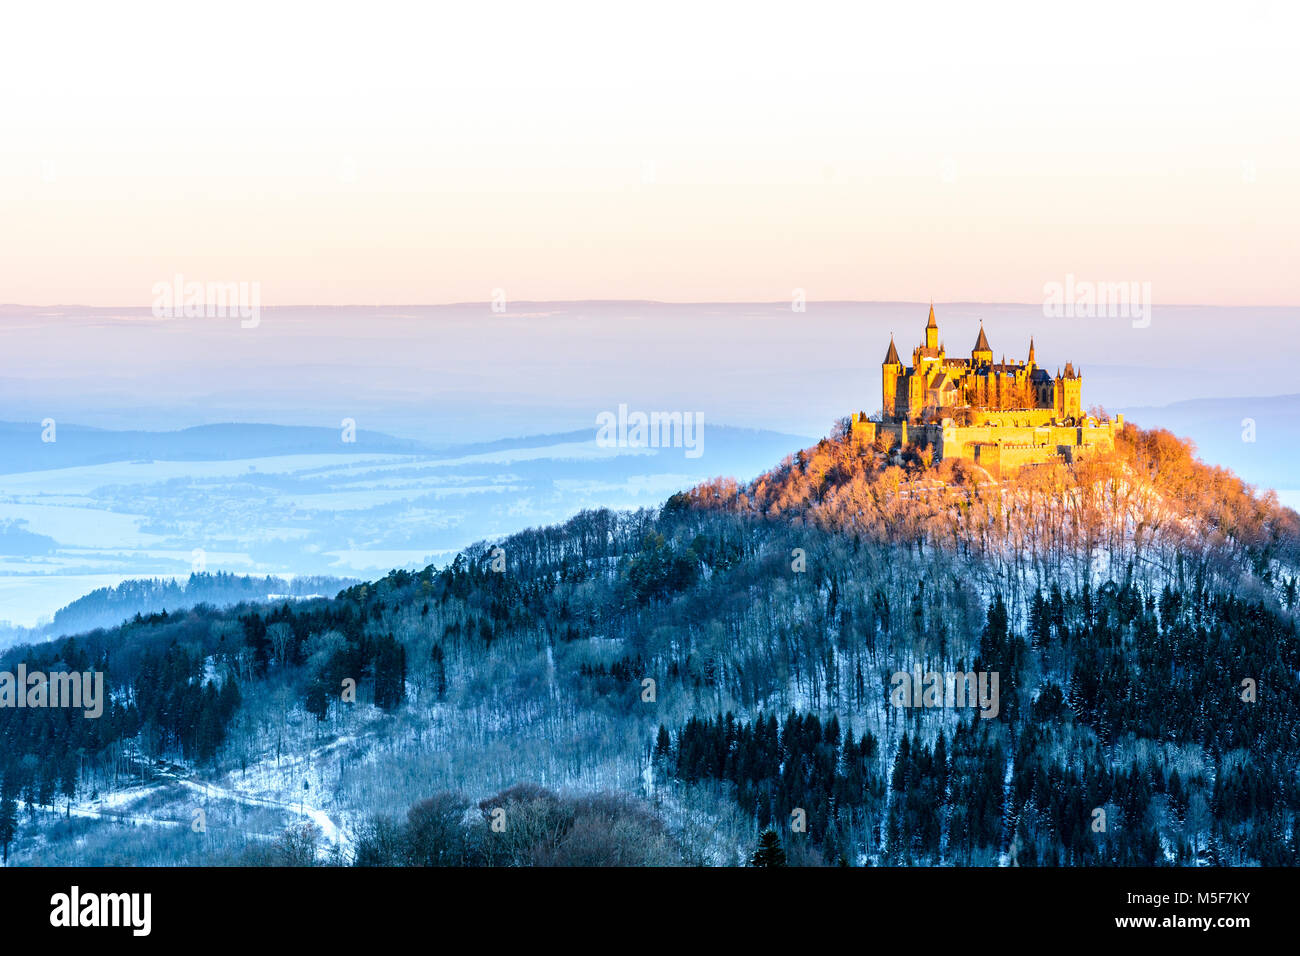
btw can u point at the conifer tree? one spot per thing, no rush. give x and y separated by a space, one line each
769 852
8 818
664 743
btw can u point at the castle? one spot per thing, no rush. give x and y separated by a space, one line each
1001 415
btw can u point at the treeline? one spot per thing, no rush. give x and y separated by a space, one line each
145 597
173 682
329 650
177 707
524 825
163 703
804 777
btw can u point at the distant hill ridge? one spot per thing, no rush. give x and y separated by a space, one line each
22 450
110 606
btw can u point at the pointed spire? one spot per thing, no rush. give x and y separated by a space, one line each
891 357
982 343
1032 360
931 324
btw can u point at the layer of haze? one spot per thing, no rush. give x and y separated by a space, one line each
452 374
674 151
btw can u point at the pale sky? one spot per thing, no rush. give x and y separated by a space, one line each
435 152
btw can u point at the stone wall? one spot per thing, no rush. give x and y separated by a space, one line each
1002 449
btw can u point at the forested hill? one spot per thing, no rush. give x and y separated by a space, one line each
728 663
1147 514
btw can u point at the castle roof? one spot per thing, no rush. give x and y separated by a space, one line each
891 357
931 324
982 343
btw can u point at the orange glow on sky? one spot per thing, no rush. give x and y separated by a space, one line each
679 152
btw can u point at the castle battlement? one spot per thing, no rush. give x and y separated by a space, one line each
1001 415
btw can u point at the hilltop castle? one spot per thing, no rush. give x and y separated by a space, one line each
1000 415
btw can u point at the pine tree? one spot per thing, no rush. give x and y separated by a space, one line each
438 657
390 673
317 702
68 779
769 852
8 819
664 743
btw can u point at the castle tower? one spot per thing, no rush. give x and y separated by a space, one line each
1032 361
982 354
890 370
931 331
1068 393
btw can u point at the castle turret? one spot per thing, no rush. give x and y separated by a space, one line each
1032 360
890 370
982 354
931 331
